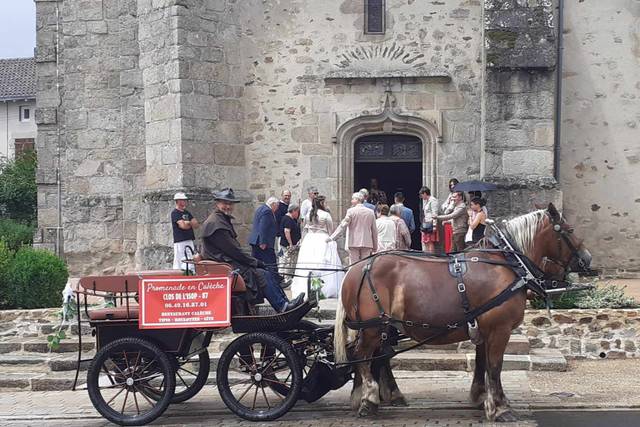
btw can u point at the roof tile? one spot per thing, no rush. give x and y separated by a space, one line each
17 78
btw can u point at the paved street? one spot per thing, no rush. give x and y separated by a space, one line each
435 398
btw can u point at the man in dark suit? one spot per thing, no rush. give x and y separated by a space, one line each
263 234
220 243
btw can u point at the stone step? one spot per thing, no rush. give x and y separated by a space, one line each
39 345
28 376
547 360
29 351
518 344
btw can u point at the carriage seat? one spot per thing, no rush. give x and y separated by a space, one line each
214 268
115 313
153 273
120 288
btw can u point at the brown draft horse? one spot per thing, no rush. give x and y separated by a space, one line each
421 289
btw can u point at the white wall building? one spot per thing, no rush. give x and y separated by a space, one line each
17 106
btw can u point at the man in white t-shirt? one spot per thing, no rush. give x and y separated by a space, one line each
305 207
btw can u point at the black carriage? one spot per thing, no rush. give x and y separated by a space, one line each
137 373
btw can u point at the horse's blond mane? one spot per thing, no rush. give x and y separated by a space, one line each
522 230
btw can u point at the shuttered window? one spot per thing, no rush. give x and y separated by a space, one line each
22 145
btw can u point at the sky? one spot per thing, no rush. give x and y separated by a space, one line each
17 28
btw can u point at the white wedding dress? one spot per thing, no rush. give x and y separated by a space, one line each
317 255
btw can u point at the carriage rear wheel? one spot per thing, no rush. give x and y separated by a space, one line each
192 373
250 371
121 377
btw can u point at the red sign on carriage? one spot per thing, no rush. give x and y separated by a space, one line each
185 302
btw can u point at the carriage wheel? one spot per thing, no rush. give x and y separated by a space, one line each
121 377
192 373
305 363
249 369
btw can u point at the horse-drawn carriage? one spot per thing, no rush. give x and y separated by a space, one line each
478 294
136 373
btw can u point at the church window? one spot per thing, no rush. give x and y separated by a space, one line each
374 16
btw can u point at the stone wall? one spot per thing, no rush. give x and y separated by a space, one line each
89 129
146 105
599 152
310 69
194 95
603 333
520 42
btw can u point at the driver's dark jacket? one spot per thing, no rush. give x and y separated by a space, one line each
220 243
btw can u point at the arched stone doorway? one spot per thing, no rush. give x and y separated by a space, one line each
395 162
387 123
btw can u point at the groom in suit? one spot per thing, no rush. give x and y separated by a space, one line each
263 233
362 239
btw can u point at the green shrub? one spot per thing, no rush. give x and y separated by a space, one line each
6 256
18 190
560 301
35 279
608 296
15 234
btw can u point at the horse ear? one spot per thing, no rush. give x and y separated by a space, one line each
553 212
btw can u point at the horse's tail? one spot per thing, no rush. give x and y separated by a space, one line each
340 333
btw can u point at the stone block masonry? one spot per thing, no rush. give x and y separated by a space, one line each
520 55
593 334
138 99
135 116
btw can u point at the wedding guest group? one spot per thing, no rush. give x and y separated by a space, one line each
290 242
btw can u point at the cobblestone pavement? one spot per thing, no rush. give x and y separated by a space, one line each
435 398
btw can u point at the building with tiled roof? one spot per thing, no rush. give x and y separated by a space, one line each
17 105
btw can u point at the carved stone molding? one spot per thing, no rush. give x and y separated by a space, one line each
386 122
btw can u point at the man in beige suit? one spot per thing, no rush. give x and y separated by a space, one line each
362 236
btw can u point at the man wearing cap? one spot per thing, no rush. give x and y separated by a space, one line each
220 243
183 224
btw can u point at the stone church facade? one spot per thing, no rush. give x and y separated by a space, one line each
138 99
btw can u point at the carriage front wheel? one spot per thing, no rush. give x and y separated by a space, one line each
251 369
121 377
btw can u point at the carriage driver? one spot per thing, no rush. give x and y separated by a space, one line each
220 243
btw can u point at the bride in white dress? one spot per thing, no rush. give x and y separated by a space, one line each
316 254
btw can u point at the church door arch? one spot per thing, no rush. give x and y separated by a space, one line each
390 123
395 162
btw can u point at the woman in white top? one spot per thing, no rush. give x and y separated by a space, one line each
317 255
386 230
428 225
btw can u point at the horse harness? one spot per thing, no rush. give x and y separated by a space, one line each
528 276
457 268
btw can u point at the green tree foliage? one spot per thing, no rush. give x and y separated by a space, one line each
18 190
15 234
5 261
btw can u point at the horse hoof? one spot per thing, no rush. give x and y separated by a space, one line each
507 417
399 401
367 408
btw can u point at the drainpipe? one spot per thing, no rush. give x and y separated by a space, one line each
58 154
558 106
